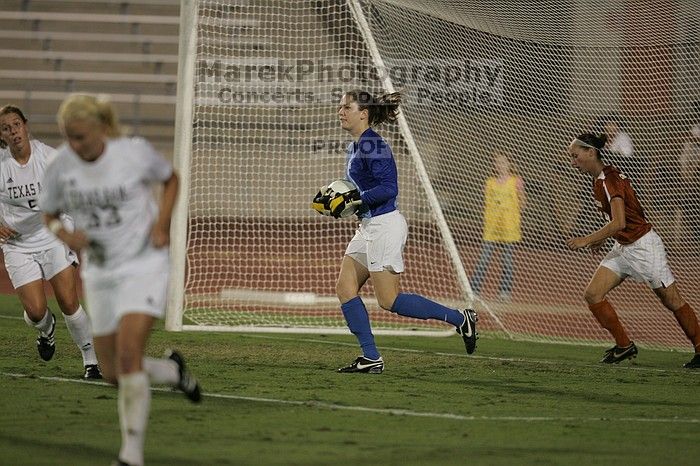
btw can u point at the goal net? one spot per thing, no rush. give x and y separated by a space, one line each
258 135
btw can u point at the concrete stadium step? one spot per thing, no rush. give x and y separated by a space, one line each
86 22
38 65
87 26
89 42
132 106
152 7
139 83
86 62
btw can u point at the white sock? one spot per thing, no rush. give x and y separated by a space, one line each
162 371
79 328
44 325
134 404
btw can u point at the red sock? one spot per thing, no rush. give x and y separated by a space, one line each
607 317
689 323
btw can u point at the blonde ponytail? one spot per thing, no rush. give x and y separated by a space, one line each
90 107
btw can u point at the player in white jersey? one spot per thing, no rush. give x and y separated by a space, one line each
104 182
32 253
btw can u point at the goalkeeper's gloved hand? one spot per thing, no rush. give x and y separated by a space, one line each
320 202
344 205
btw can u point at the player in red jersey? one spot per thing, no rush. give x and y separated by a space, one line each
638 252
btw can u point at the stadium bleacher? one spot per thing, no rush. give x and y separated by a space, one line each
125 48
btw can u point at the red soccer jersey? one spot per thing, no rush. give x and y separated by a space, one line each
611 183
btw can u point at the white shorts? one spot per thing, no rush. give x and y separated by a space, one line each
26 267
644 261
379 241
139 288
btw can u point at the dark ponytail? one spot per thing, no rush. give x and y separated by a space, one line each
597 141
592 141
380 109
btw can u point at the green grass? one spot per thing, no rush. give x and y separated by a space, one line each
276 399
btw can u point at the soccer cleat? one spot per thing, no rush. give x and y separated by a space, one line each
468 330
616 354
92 371
119 463
364 365
188 384
46 343
693 363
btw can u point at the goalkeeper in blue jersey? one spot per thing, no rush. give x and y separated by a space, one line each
376 249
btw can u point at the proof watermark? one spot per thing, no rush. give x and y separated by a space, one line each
373 147
475 82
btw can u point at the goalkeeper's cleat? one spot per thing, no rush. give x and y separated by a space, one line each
46 342
468 330
693 363
92 371
187 383
617 354
364 365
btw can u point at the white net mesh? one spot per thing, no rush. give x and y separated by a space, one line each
516 78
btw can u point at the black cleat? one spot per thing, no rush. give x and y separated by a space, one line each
46 343
92 371
693 363
119 463
188 384
468 330
364 365
616 354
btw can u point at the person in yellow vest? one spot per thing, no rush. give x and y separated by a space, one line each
504 200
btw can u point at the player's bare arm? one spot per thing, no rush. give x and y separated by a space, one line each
160 234
596 239
597 245
75 240
6 233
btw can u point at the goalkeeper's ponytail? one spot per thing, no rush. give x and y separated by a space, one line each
380 109
387 109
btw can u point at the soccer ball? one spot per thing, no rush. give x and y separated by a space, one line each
340 187
338 199
345 198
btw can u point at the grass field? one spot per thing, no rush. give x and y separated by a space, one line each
276 399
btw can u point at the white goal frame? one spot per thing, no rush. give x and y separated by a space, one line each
182 162
256 133
179 226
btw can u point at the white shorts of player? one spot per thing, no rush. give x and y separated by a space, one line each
138 287
379 241
644 261
26 267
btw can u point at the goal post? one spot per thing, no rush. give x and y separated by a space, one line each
182 161
435 207
258 134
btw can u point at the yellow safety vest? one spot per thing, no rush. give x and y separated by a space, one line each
502 211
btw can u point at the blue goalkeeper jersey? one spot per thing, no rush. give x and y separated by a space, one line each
370 165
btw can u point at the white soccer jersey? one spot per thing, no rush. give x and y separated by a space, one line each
20 186
110 199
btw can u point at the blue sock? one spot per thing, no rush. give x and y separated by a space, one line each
418 307
356 316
